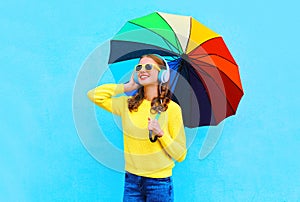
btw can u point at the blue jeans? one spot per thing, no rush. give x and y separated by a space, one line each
138 189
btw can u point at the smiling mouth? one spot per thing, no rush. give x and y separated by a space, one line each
144 76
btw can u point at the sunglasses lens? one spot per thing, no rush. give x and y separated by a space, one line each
148 66
138 68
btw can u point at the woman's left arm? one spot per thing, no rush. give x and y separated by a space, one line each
174 142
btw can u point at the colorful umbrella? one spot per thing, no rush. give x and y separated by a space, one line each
204 79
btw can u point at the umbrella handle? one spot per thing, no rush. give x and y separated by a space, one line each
150 131
150 137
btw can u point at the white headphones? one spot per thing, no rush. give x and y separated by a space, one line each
163 75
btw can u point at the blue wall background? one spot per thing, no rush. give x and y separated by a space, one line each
43 46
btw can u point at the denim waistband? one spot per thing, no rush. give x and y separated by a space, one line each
143 177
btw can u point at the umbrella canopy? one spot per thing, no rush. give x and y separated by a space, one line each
204 78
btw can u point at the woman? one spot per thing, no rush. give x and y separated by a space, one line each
148 164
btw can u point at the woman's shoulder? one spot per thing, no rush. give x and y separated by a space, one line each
174 105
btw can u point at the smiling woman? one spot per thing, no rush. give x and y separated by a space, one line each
155 70
148 164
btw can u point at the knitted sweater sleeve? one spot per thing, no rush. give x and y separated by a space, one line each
174 142
103 96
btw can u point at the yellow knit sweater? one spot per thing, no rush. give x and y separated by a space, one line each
143 157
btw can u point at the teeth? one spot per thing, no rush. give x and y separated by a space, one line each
143 76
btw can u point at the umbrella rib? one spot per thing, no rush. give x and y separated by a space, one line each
207 64
206 55
218 86
164 39
233 62
200 78
174 57
210 65
227 101
189 35
176 76
167 43
176 37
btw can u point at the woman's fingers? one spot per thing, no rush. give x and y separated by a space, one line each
154 126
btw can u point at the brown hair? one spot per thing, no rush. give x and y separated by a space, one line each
158 104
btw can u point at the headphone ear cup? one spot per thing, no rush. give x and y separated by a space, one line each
166 75
135 78
162 76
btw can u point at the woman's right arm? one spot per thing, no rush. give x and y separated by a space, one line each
103 95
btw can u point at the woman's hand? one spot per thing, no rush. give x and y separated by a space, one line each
155 127
131 85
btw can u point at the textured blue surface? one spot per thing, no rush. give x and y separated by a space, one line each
43 47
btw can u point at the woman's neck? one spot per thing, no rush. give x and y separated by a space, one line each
150 92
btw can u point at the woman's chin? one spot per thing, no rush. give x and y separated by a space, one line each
148 83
